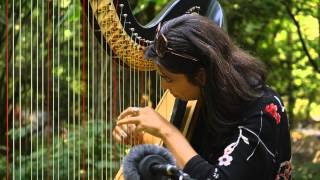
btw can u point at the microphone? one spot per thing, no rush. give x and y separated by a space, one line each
151 162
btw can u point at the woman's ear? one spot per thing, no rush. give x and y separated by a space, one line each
201 77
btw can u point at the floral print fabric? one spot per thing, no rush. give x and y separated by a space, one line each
253 152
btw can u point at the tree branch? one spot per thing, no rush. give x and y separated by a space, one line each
304 46
318 29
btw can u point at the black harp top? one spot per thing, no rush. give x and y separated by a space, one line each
175 8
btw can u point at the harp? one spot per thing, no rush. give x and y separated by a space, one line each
122 35
71 67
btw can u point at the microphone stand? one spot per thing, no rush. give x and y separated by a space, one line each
182 176
172 172
156 167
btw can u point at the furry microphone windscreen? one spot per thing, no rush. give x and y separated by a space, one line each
137 153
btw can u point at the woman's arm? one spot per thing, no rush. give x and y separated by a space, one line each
178 145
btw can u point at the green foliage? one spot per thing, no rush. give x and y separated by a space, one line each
73 148
3 166
146 10
306 171
77 149
266 29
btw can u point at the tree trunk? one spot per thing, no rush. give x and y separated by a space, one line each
290 88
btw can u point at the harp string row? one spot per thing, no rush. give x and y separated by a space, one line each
66 96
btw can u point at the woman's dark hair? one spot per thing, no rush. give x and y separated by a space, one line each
233 77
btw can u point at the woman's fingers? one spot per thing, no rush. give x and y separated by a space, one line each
127 133
121 136
116 136
139 128
144 119
129 120
130 111
119 131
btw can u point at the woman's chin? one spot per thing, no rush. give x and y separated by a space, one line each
176 96
181 98
187 98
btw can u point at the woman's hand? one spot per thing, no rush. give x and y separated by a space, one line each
148 120
145 119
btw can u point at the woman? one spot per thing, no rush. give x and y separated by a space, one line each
242 131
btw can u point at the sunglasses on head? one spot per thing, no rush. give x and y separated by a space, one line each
161 46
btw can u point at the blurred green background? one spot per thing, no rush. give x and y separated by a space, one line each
284 34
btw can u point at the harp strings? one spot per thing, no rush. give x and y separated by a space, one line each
31 83
13 96
20 104
68 94
108 115
100 98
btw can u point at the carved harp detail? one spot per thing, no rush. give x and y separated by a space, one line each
115 35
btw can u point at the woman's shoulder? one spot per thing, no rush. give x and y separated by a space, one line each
266 122
269 99
267 110
267 118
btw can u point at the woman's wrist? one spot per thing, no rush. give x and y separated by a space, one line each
165 133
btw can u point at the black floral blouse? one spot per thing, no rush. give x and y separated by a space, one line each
260 148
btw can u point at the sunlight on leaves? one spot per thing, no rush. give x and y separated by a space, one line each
76 87
58 71
300 105
17 27
315 111
296 135
67 34
297 82
281 36
309 26
64 3
236 6
35 12
313 53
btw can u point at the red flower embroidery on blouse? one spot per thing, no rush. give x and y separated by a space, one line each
272 110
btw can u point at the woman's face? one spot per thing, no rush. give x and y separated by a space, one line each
178 84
